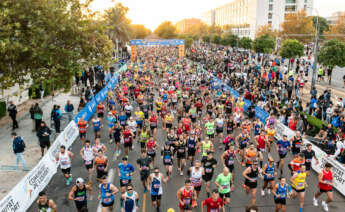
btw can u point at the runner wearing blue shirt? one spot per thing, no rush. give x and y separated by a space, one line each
283 147
122 119
281 191
125 170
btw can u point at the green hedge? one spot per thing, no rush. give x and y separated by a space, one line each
316 124
2 108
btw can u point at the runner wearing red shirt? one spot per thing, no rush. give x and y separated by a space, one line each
325 185
186 122
136 91
127 139
186 195
214 203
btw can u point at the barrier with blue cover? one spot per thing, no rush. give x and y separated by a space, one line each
91 106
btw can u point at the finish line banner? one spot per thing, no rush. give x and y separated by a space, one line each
140 42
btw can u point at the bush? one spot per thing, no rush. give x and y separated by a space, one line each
2 108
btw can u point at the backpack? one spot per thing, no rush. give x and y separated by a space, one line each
20 145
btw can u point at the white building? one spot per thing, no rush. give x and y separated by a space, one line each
246 16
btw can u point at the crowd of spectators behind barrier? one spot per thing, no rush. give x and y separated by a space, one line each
277 87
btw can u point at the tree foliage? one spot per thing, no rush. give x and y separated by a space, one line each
140 31
332 53
266 30
206 38
216 39
48 41
291 48
264 44
230 40
188 41
323 24
245 43
298 26
166 30
119 28
338 29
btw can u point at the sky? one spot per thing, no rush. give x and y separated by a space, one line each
153 12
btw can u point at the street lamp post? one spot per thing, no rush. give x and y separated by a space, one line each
316 50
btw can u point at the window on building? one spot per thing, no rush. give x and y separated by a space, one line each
290 8
305 7
290 1
269 22
270 7
271 1
305 1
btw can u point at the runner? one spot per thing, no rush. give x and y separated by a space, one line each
250 155
125 171
225 184
97 125
283 147
192 144
82 125
101 164
181 146
98 145
228 159
209 164
78 194
87 155
270 136
127 139
296 142
196 173
213 203
206 146
143 164
309 154
185 196
64 158
111 122
250 175
151 148
325 186
296 163
130 200
45 204
299 183
122 119
167 156
261 141
269 173
117 129
100 110
144 137
156 179
209 128
106 195
281 191
241 141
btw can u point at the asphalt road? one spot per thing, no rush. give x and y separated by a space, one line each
58 190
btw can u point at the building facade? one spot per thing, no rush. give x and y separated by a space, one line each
246 16
184 25
332 20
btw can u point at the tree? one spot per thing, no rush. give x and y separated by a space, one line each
166 30
291 48
338 29
230 39
206 38
332 54
264 44
216 39
266 30
47 42
140 31
188 42
119 28
298 26
245 43
323 24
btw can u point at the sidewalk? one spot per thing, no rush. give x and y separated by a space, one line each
32 152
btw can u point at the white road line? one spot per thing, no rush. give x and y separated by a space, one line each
111 176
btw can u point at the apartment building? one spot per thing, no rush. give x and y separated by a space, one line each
184 25
248 15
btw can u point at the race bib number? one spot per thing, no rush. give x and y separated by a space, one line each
181 150
167 160
80 198
106 200
230 162
124 181
226 186
88 162
208 170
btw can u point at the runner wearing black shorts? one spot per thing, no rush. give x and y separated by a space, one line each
209 164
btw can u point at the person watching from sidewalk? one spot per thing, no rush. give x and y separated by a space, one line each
69 110
12 111
18 149
56 116
38 113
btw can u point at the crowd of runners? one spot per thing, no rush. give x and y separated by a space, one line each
176 114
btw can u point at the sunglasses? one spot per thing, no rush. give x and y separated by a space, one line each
129 189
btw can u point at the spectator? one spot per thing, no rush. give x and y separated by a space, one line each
82 103
43 135
32 113
18 149
56 116
37 116
69 110
12 111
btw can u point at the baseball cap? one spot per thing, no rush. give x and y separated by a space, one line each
79 181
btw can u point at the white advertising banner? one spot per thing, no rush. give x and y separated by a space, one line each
26 191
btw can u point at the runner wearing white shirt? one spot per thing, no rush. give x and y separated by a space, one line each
132 126
87 155
64 158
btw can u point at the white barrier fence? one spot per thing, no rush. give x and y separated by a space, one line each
338 169
26 191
